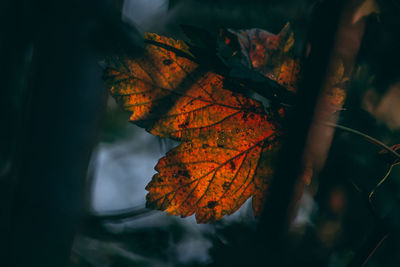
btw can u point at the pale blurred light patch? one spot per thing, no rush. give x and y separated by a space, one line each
123 169
306 207
145 14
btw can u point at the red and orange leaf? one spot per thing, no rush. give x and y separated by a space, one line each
227 138
270 55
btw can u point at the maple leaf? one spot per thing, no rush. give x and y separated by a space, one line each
227 138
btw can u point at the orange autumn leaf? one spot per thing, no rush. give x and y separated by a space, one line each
227 138
270 54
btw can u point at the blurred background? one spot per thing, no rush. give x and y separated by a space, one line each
73 171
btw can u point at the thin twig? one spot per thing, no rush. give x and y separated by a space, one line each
365 136
371 194
374 241
375 142
380 232
122 215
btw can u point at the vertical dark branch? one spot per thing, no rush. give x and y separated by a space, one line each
274 223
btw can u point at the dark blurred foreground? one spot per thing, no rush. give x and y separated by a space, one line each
54 112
